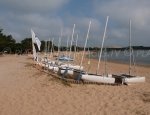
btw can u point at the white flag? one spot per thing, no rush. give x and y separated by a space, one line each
35 39
33 36
38 42
33 47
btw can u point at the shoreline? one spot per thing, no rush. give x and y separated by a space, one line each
137 65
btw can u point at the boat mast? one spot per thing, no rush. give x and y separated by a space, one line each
33 40
89 59
102 45
75 48
51 48
67 46
71 40
85 44
48 47
45 48
59 44
105 58
130 47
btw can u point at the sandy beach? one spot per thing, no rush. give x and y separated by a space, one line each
24 90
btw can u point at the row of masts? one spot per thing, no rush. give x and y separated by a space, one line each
50 50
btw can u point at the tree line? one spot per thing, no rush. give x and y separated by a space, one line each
9 45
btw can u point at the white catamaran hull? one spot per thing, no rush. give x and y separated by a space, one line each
53 68
72 66
69 69
98 79
135 80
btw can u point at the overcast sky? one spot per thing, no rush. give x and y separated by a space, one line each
48 17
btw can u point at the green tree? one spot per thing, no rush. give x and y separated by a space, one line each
27 44
6 41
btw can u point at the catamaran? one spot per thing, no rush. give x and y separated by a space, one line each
129 78
95 77
67 69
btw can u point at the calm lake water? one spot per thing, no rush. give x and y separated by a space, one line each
140 57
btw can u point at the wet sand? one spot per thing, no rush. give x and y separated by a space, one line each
24 90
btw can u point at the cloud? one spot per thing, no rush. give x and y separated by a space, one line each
48 17
33 5
19 16
124 9
81 28
82 23
120 11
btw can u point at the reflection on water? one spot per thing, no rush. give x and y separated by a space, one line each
141 57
